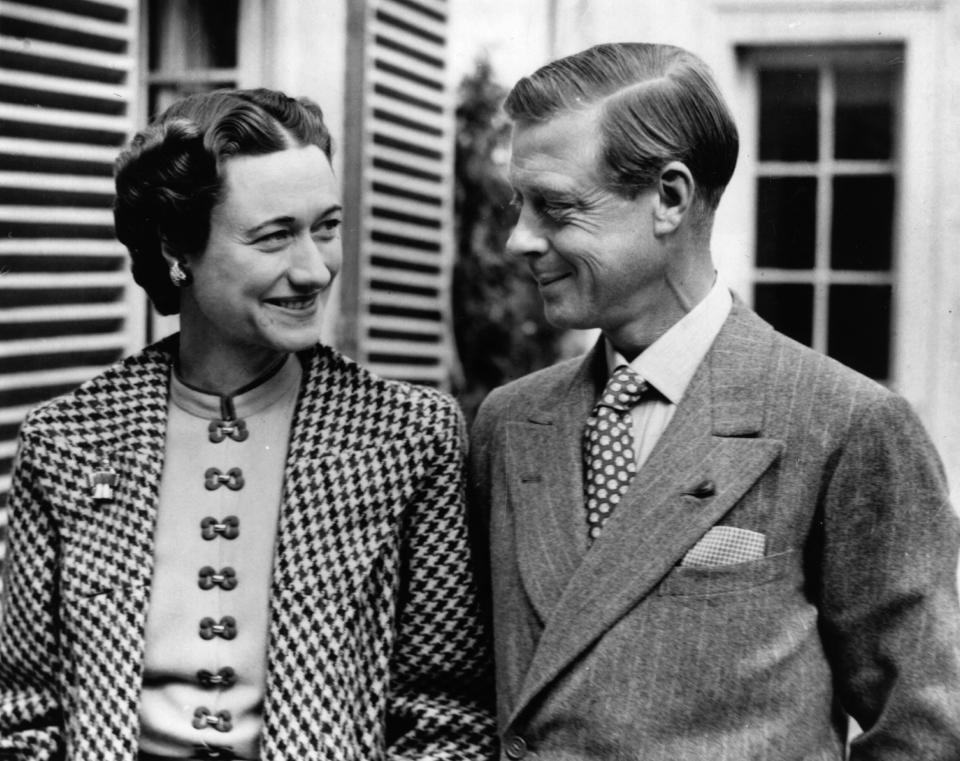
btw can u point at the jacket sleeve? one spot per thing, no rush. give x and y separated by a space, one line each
441 702
888 589
30 712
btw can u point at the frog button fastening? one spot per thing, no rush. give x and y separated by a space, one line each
225 677
227 628
222 721
209 578
219 430
228 528
214 478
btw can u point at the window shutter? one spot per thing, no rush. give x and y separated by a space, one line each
399 236
68 306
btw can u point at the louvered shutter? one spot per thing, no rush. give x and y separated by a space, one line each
67 304
399 237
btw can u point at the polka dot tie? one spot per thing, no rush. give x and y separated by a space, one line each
609 458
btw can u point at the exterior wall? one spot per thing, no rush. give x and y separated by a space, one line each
926 327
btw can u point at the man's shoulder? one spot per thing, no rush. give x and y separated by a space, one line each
536 388
789 363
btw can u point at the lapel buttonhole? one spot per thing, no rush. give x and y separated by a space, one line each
702 490
531 479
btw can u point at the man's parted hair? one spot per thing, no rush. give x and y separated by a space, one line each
659 104
171 177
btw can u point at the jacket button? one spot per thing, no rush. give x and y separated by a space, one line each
515 747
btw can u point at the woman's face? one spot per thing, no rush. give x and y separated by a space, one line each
260 286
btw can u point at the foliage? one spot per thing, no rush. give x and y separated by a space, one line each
499 327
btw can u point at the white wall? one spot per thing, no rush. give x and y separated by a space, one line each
304 48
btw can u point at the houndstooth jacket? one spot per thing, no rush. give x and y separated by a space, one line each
375 650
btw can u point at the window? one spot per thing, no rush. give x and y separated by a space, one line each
192 47
826 198
398 234
67 105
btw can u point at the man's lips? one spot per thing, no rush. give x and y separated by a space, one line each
543 280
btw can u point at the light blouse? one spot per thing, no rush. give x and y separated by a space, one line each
206 632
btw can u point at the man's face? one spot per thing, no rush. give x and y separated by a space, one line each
592 251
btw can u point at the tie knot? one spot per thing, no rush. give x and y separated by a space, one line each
624 389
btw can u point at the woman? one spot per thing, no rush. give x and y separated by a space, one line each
239 544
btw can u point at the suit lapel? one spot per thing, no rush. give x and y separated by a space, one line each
545 467
706 459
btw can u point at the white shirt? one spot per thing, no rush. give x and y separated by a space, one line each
669 364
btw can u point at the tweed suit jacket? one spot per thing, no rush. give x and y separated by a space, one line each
373 619
622 652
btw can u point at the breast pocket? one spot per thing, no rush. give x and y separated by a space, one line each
732 579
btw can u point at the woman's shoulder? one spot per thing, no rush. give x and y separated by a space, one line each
128 384
338 381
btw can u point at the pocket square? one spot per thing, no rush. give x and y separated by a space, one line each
725 545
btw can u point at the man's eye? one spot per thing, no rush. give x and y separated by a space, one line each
555 213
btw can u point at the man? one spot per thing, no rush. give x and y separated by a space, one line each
708 542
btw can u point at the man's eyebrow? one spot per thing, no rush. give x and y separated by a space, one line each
543 193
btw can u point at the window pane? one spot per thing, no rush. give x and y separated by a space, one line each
864 118
788 115
859 333
786 222
862 224
192 34
788 307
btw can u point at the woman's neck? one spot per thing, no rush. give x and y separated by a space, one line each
219 370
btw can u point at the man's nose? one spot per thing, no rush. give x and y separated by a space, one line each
527 238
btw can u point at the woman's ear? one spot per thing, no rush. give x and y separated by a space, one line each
168 256
675 190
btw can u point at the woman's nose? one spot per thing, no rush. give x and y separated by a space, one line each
526 239
315 262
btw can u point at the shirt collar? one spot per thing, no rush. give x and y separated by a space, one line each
669 363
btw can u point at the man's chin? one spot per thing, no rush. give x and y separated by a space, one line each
566 320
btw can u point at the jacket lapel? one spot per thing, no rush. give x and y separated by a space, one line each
118 425
115 425
545 467
706 459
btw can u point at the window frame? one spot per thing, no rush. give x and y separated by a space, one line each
826 60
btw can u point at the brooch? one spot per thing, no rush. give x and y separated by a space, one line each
102 481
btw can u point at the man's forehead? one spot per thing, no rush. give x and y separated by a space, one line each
556 156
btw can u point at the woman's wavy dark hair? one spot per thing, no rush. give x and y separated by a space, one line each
171 176
659 103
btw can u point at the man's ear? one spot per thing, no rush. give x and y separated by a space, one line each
675 191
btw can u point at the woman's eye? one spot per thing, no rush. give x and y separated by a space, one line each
274 237
328 228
